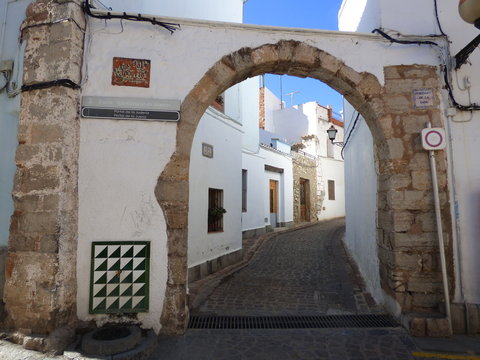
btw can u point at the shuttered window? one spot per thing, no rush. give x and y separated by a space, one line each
331 190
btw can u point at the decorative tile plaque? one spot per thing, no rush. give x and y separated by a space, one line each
119 277
131 72
207 150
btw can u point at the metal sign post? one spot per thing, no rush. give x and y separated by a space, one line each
434 139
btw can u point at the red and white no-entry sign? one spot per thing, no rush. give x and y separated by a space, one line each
433 139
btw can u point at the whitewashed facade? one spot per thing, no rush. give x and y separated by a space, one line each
298 124
418 18
104 140
132 177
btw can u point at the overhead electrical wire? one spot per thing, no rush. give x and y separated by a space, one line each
448 86
438 19
404 42
172 27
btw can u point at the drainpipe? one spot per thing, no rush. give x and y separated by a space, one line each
3 27
455 213
438 217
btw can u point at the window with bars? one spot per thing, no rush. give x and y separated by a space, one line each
331 190
244 190
215 210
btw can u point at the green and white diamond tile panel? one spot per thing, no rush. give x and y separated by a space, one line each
119 277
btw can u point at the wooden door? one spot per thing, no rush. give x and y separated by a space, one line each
304 200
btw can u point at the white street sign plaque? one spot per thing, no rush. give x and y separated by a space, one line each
423 98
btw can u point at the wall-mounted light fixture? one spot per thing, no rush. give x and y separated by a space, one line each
470 11
332 134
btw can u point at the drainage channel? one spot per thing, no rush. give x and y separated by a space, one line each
292 322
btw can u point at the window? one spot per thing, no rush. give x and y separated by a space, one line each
331 190
219 102
215 210
244 190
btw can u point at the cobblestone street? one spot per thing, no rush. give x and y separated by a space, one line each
305 271
299 272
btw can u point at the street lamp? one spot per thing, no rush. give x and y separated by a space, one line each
470 11
332 133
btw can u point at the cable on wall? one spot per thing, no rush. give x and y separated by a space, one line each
126 16
448 86
350 134
46 84
438 19
404 42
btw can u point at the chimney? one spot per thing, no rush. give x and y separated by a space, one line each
261 113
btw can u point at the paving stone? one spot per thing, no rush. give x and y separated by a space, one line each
306 271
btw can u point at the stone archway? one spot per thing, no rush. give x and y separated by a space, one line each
406 238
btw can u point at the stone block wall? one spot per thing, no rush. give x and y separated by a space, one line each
306 168
408 248
40 290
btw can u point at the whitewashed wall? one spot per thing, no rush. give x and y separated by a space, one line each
359 15
272 104
120 162
417 18
224 172
361 203
290 123
241 104
285 184
360 175
254 217
332 169
465 132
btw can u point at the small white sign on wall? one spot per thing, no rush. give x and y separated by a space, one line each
423 98
433 139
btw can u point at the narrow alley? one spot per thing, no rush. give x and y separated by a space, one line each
300 272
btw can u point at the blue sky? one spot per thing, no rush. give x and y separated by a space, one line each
312 14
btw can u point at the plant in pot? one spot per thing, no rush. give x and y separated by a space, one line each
216 213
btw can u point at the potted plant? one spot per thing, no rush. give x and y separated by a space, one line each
216 213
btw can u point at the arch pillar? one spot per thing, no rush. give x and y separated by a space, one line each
40 288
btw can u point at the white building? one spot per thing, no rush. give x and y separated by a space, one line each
226 160
127 191
307 125
215 164
462 125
